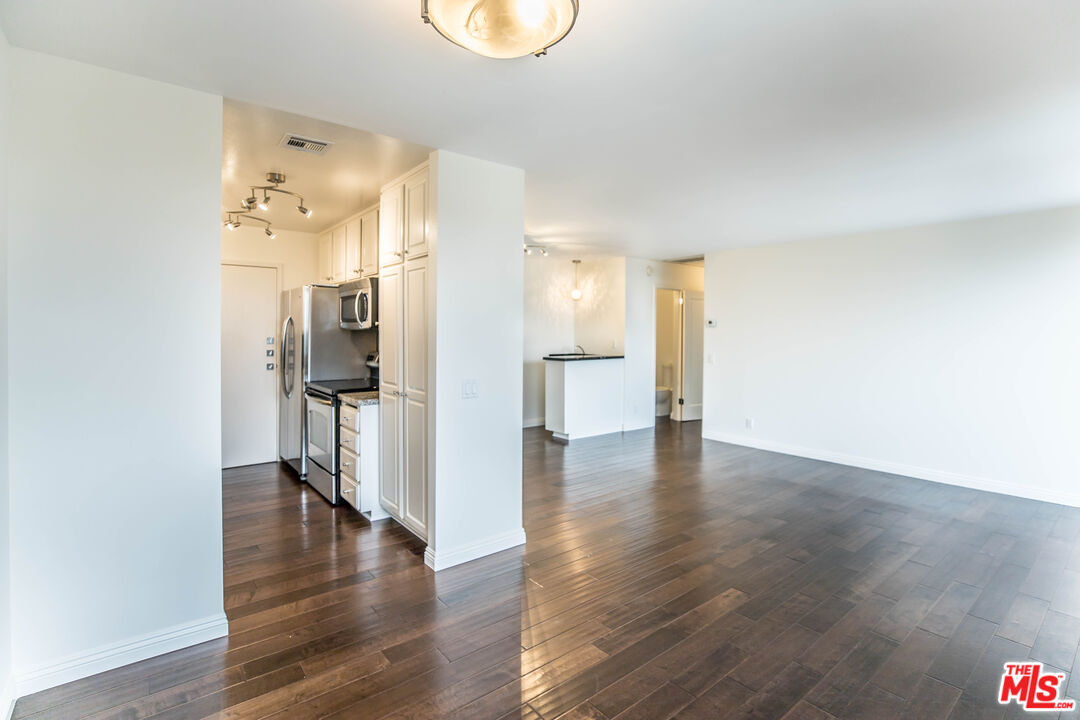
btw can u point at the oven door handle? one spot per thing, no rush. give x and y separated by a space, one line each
319 400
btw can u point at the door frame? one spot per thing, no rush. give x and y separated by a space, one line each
279 273
676 390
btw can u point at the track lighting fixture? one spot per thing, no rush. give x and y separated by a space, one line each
530 249
253 202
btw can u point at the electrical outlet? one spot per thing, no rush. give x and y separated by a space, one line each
710 323
749 423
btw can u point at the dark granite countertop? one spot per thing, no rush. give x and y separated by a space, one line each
578 357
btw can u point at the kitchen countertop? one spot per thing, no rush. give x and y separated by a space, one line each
579 357
361 398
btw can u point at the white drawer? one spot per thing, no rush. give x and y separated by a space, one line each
349 464
349 440
350 492
350 417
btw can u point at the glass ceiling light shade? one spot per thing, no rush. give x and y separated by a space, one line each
502 28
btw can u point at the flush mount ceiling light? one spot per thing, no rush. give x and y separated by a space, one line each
501 28
252 202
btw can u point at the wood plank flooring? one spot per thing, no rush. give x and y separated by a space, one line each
664 576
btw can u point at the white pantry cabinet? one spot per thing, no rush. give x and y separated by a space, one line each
404 379
417 214
405 218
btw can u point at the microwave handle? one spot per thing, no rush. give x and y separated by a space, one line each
356 308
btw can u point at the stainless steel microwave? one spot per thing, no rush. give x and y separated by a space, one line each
358 303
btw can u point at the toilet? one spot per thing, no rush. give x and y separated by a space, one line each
663 401
663 389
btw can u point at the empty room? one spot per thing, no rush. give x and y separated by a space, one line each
539 359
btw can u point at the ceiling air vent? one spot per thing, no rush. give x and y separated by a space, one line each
305 144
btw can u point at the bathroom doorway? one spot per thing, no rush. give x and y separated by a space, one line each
680 338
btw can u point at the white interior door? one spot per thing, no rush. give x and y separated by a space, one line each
249 301
693 354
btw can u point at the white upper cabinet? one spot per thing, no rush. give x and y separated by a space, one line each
326 259
369 244
417 214
391 243
341 250
353 239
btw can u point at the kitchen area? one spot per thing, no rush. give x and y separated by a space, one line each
342 251
346 423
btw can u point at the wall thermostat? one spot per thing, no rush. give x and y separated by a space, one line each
710 323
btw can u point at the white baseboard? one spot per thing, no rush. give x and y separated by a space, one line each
108 657
440 560
533 422
7 699
895 468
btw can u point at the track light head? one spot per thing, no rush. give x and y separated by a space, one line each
270 233
264 204
303 210
250 202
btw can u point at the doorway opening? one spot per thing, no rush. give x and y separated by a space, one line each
680 347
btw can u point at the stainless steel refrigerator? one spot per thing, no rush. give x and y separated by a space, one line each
313 347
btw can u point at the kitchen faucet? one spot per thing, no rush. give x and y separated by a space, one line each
578 347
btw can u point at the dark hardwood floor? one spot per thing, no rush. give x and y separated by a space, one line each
664 576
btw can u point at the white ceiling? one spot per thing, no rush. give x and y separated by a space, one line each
335 185
658 128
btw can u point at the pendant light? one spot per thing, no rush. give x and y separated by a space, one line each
575 294
501 28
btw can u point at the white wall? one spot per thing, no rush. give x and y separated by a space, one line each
479 287
643 277
600 314
556 323
114 283
948 352
6 680
549 325
297 252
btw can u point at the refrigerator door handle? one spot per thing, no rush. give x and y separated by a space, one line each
286 387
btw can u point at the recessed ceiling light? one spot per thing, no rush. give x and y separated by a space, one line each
501 28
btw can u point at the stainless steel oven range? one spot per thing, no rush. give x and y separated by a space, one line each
321 424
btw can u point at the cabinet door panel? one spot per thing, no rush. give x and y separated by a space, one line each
369 244
391 320
326 258
352 243
414 455
390 226
417 213
340 251
390 453
416 329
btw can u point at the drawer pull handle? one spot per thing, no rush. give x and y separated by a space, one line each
346 492
345 464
